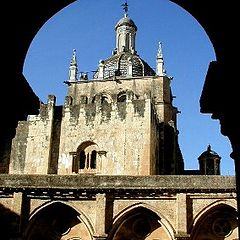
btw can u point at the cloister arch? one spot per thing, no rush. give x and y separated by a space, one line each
189 160
57 220
140 221
210 207
218 221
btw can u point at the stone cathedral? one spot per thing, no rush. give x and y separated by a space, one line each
107 164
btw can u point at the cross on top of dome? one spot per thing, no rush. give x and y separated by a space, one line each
125 8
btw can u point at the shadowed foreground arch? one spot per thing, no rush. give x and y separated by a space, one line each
209 15
32 15
220 94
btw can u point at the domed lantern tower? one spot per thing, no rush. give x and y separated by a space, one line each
209 162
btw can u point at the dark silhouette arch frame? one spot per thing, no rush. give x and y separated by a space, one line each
219 94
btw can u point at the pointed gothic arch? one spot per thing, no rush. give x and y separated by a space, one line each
140 221
218 221
54 220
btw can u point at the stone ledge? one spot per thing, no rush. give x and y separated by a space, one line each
176 183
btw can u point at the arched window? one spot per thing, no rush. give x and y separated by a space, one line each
122 97
127 42
86 158
104 99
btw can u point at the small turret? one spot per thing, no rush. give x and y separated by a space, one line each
209 162
73 69
160 71
125 33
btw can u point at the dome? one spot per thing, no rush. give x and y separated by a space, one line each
126 21
208 154
118 65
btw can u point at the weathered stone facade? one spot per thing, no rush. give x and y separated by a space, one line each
122 121
107 164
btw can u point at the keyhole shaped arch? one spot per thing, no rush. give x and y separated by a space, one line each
225 158
49 9
187 10
38 16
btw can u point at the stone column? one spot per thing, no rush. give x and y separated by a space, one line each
181 224
17 202
21 206
100 223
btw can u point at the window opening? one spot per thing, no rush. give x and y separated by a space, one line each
93 159
82 160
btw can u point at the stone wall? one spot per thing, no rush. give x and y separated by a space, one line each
121 130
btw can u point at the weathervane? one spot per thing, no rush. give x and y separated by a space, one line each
125 8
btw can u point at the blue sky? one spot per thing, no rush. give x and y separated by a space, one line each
88 27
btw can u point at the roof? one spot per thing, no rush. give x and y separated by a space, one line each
209 153
117 65
126 21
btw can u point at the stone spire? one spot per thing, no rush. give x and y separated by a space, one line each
73 69
125 33
160 71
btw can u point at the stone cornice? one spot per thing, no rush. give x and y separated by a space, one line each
172 183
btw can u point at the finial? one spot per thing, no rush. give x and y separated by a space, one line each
209 148
125 8
73 69
160 71
160 53
74 58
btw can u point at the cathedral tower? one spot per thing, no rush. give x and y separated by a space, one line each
119 122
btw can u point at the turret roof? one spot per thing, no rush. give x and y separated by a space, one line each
126 21
208 153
